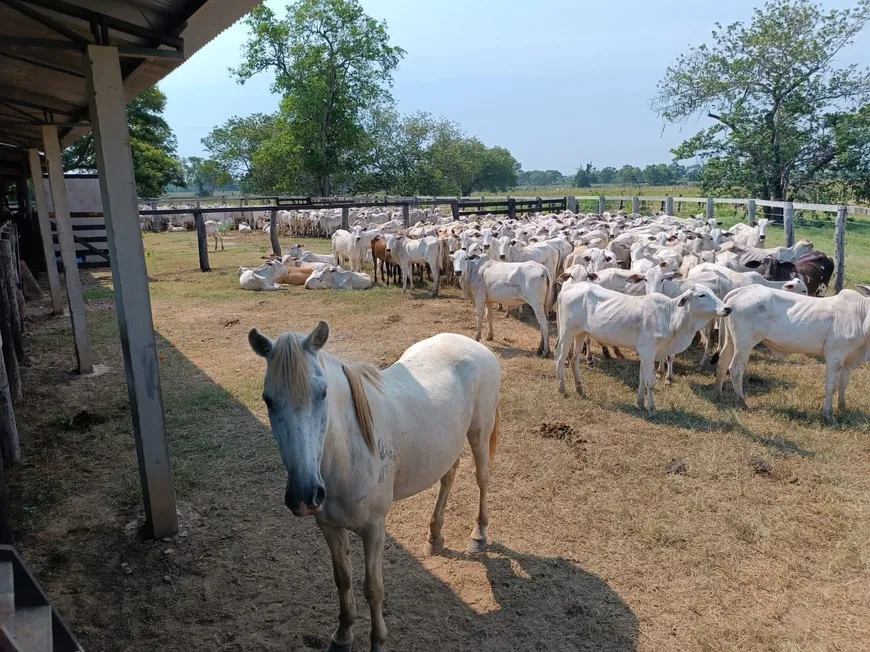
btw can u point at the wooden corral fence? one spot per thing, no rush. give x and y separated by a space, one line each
513 206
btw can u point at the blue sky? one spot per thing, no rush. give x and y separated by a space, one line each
558 82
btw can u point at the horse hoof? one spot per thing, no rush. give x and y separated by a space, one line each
335 647
436 547
476 546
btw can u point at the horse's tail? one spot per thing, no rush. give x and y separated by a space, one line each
494 437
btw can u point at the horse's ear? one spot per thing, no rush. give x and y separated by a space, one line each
863 289
261 344
317 338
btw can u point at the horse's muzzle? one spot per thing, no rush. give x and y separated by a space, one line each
311 504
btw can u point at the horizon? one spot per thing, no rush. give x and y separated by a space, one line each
540 106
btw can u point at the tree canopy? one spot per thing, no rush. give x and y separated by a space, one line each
155 164
785 115
331 62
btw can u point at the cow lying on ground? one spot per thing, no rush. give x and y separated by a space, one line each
836 328
261 278
334 278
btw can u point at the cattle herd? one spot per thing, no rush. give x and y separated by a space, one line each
650 284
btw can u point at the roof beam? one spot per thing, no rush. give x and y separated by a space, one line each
54 44
41 18
72 124
41 64
32 105
116 24
11 107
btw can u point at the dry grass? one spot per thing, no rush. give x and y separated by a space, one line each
598 543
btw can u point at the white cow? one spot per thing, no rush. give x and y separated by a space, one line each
742 279
296 251
262 277
836 328
349 245
654 325
213 228
490 282
426 251
335 278
753 236
539 252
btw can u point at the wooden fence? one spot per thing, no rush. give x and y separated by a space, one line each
512 206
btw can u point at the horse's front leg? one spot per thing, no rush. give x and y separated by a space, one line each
342 570
373 546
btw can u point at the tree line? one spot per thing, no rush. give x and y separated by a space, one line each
784 122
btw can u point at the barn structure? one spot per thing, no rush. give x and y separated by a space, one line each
68 68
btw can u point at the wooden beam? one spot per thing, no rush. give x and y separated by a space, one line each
107 106
51 147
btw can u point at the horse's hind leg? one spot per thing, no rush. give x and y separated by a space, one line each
482 449
435 543
342 570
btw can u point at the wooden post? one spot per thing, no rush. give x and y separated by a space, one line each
45 231
669 205
10 356
750 212
539 206
571 204
345 218
454 207
108 115
201 241
602 205
840 249
273 231
51 147
711 208
406 215
635 204
10 450
10 287
512 208
788 224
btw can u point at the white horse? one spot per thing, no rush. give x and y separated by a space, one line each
354 440
212 228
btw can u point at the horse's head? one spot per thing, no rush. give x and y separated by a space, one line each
295 397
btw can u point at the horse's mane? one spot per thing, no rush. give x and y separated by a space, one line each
357 373
290 366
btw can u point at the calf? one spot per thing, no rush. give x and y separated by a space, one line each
382 259
489 282
654 325
836 328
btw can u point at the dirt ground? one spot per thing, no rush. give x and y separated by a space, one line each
701 528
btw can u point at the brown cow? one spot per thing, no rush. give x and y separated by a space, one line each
294 276
381 258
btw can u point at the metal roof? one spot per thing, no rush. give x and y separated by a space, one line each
42 42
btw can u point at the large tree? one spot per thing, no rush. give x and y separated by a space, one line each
233 144
155 164
781 106
332 63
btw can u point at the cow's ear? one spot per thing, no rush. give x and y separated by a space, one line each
753 264
564 276
635 278
592 276
863 289
684 299
663 264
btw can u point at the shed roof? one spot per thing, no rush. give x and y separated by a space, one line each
42 63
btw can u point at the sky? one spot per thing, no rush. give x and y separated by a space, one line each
560 83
